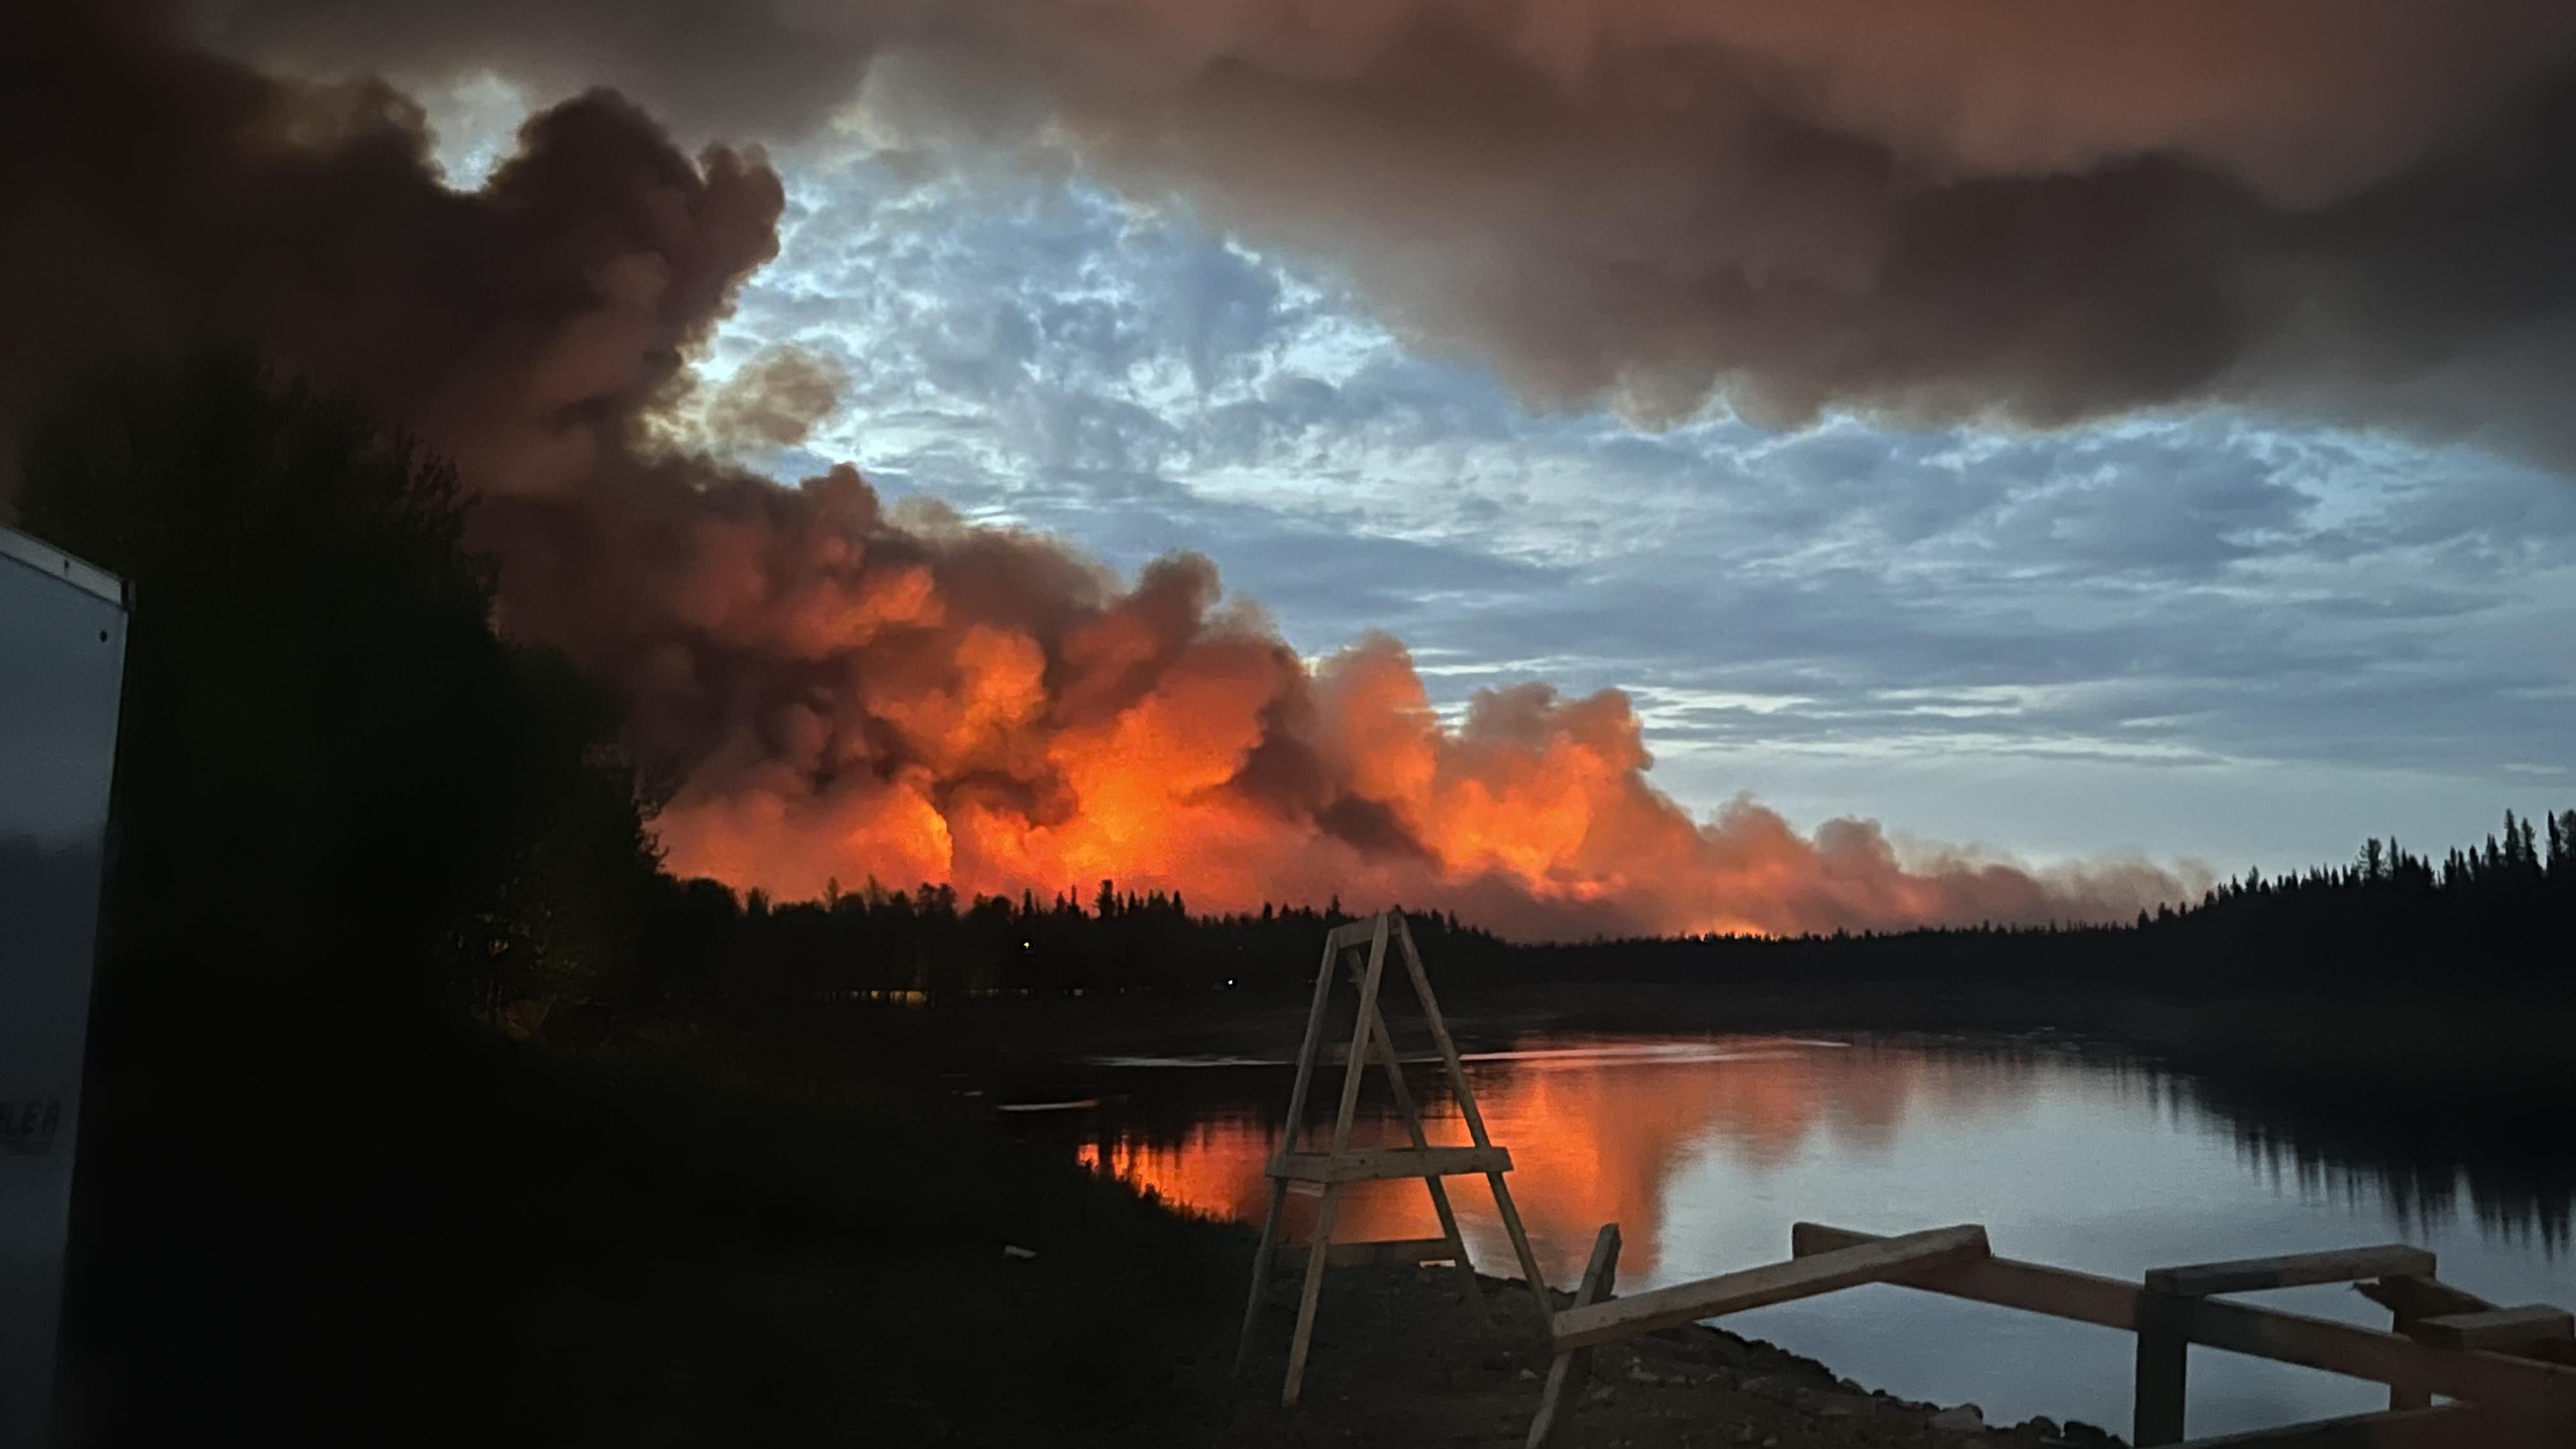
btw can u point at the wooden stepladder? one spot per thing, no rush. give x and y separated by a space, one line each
1360 951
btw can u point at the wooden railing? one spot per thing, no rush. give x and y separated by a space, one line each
2511 1372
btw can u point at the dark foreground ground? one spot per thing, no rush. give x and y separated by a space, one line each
792 1235
1398 1360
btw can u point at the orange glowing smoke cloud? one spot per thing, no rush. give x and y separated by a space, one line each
852 695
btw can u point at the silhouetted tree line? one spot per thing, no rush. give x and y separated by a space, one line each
2504 912
344 798
712 950
2501 913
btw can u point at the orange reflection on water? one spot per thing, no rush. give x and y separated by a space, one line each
1215 1171
1596 1135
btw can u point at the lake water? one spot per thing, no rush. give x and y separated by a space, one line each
1705 1150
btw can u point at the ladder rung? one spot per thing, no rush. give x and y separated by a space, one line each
1372 1164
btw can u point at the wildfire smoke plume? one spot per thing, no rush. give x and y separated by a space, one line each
854 696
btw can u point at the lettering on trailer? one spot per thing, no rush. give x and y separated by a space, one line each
28 1125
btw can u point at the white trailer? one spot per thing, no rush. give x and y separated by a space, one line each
62 666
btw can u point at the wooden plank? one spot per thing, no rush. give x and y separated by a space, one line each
2451 1426
2157 1394
1771 1283
2545 1390
2496 1328
1570 1370
2292 1270
2033 1287
1384 1252
2363 1353
1377 1164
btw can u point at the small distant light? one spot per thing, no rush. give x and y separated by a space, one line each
1229 981
1024 945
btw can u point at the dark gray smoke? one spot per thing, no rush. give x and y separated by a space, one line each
2016 210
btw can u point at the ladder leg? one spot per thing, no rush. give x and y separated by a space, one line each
1354 1069
1511 1216
1458 1253
1459 1084
1307 1053
1412 1114
1261 1259
1313 1294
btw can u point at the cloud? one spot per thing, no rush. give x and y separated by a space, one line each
774 401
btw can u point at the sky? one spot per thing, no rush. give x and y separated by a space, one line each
1592 464
2200 634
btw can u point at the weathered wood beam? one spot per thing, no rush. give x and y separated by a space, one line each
2525 1386
2037 1288
1771 1283
1375 1164
2291 1270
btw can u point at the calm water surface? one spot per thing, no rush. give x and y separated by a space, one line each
1704 1151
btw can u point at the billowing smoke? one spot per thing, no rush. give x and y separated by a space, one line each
838 690
915 699
2021 210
